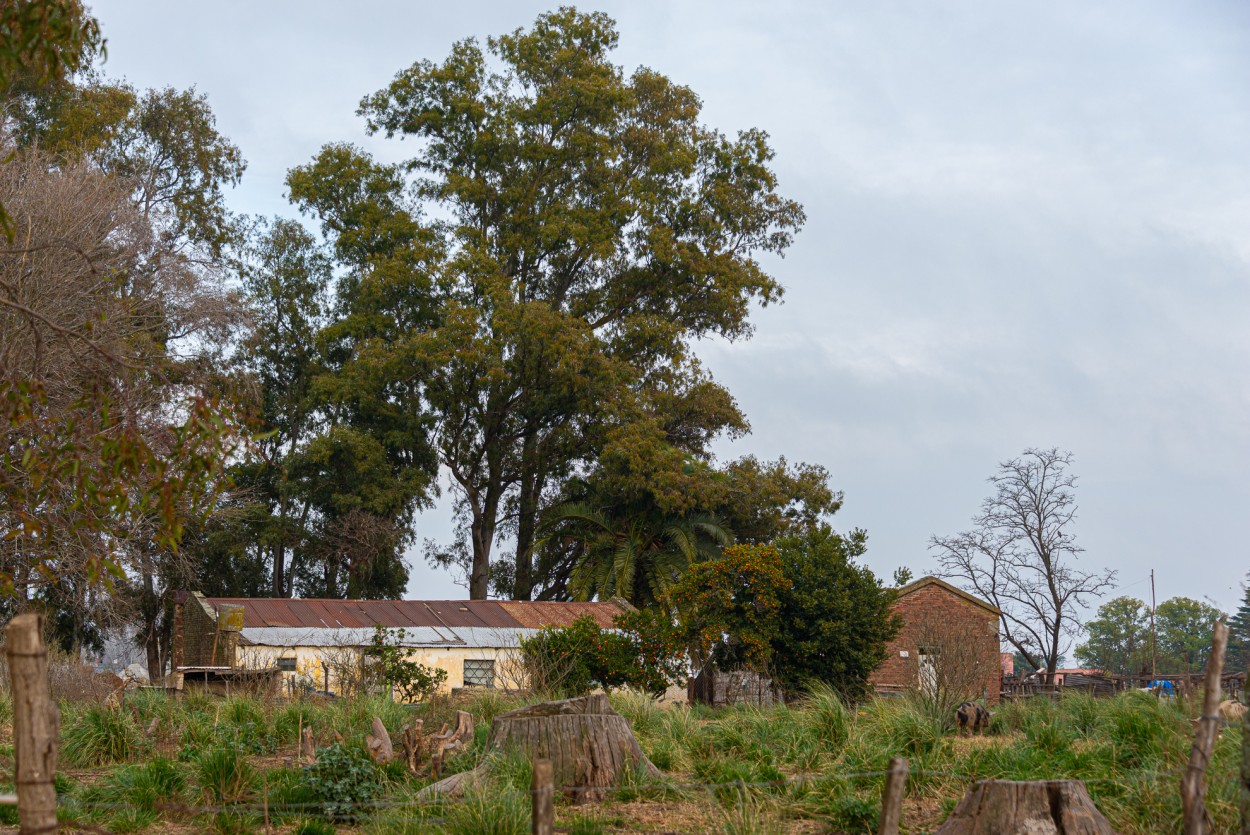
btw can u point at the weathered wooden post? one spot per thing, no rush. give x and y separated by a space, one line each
542 796
892 797
1245 761
1194 784
36 723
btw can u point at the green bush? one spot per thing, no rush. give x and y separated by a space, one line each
396 670
341 780
573 660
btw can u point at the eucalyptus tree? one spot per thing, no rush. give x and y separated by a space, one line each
563 234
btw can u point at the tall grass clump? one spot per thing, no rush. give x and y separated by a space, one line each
486 703
826 716
489 812
225 776
133 797
747 814
900 727
100 736
640 709
1143 730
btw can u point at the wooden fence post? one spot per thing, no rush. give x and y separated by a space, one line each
892 797
542 796
1194 784
1245 758
36 723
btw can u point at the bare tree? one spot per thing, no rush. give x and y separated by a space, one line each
106 341
954 661
1020 556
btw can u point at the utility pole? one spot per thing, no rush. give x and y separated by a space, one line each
1154 637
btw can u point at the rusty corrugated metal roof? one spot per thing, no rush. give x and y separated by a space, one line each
355 614
535 615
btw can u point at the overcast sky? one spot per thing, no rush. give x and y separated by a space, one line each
1028 225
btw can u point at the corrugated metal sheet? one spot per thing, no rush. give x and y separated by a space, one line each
447 614
538 614
414 636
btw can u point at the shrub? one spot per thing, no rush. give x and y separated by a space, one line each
854 814
397 671
340 780
99 736
835 616
575 659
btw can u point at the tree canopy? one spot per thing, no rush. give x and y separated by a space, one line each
1118 638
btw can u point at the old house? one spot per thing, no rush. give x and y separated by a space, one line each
318 644
948 641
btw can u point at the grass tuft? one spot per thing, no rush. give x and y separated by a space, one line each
99 736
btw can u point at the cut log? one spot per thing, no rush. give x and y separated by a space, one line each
379 743
590 746
1039 807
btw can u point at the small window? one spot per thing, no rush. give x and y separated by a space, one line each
286 665
479 673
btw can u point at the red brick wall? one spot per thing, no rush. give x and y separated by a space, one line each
930 609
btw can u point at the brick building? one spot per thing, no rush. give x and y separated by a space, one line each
949 640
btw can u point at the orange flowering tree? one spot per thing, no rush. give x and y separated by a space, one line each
729 608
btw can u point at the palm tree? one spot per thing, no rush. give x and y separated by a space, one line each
638 558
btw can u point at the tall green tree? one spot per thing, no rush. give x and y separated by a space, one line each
836 616
587 229
729 608
1239 630
1185 628
286 282
1118 638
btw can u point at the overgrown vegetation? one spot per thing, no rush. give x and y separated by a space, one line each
815 763
642 652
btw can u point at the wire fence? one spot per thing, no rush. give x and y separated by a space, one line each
660 788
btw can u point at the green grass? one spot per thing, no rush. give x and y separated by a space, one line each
99 736
740 769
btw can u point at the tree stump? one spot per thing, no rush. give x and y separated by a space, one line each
1014 807
590 746
378 743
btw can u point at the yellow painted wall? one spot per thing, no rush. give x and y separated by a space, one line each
311 663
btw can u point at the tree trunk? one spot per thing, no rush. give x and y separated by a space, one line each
1038 807
279 570
590 746
482 532
527 519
